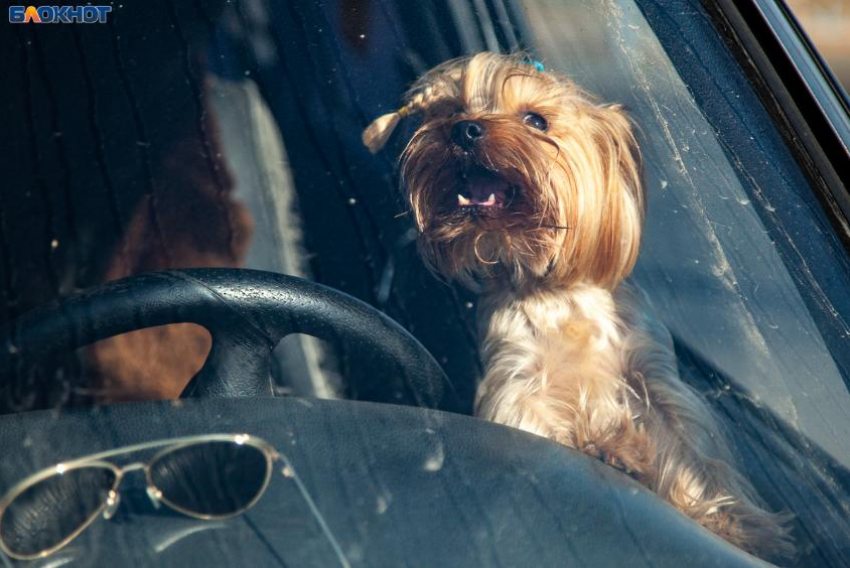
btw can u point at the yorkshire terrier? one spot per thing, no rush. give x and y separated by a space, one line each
527 190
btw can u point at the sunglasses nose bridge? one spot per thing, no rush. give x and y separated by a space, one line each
113 499
155 496
112 502
132 467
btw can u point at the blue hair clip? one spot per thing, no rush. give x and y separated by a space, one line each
538 65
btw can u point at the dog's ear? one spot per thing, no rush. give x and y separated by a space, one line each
622 199
376 134
440 82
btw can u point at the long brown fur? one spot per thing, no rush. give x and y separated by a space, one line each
571 350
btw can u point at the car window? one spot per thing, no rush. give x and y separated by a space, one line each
710 259
819 19
228 134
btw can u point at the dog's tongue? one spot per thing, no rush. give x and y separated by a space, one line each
483 191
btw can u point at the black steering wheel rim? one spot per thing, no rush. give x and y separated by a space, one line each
247 312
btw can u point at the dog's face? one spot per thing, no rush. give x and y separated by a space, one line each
517 172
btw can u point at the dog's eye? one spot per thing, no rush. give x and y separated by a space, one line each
534 120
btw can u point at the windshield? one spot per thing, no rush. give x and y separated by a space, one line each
715 256
228 134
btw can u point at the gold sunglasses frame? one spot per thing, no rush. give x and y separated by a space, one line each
107 508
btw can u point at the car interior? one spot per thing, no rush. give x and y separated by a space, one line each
193 239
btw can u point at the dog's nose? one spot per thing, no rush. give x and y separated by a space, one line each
466 133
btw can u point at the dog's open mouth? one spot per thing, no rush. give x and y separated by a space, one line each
483 190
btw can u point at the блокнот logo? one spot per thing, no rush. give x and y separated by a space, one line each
58 14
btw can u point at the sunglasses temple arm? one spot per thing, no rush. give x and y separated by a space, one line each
289 472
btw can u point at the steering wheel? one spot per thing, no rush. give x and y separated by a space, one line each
247 312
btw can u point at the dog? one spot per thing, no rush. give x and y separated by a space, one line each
527 190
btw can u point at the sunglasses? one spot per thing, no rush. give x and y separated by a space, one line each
214 476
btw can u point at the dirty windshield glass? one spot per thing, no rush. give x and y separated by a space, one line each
228 135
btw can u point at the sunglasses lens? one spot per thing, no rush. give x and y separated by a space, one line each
211 479
48 512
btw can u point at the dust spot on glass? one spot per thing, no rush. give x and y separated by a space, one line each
435 461
382 504
354 553
177 403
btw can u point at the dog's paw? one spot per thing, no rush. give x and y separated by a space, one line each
611 459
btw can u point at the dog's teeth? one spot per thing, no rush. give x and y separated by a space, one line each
490 200
461 200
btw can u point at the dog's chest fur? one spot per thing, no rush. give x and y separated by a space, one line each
595 371
572 364
564 344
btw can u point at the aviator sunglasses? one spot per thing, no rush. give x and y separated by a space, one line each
213 476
